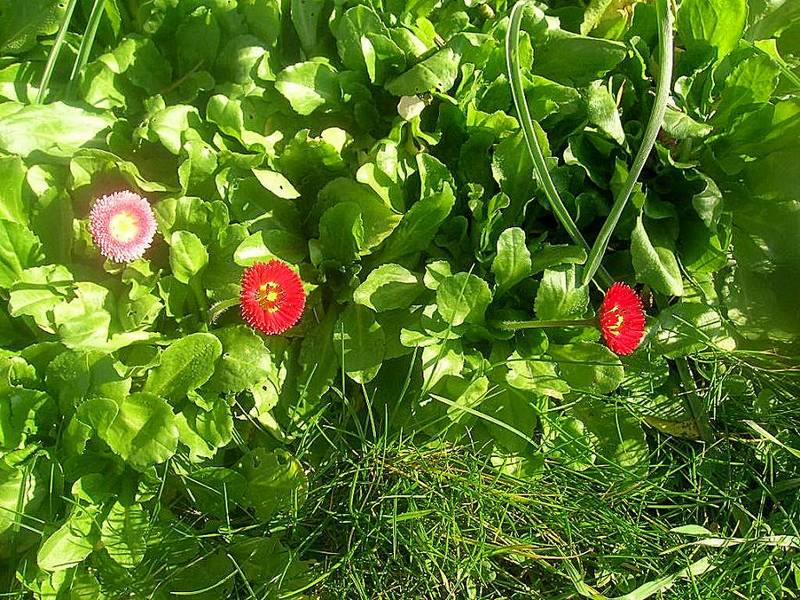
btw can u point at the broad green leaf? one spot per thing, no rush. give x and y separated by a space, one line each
439 360
204 432
682 127
141 428
436 73
83 323
566 439
512 263
341 233
23 413
306 17
559 295
549 256
602 111
124 534
263 18
276 183
378 219
216 490
21 492
588 367
365 43
38 291
309 85
572 59
245 360
319 360
275 481
711 23
464 297
655 266
187 255
686 328
535 375
74 376
186 365
69 544
56 129
359 342
619 436
12 178
169 125
388 287
518 414
21 23
19 249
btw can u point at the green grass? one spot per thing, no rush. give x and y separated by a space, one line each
388 518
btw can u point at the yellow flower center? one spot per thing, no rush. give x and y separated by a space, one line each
267 296
615 327
123 227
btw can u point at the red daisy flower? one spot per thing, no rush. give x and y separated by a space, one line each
122 225
272 297
622 319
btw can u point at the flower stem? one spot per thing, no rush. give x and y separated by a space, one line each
665 50
514 325
220 307
526 122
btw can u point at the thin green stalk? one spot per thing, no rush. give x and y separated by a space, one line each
220 307
86 45
55 51
693 402
532 142
514 325
665 50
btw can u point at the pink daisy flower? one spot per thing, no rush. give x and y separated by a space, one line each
122 226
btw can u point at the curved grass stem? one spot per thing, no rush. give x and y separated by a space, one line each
86 45
665 50
526 122
55 51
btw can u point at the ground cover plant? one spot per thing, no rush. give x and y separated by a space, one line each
384 299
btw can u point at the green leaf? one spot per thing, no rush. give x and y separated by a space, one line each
512 263
359 342
620 439
388 287
204 432
74 376
306 17
275 481
12 179
559 295
309 85
22 413
186 365
687 327
276 183
141 428
245 360
124 534
56 129
21 23
187 255
436 73
464 297
572 59
682 127
19 249
83 323
602 111
365 44
69 544
341 232
38 291
715 23
535 375
655 266
588 367
549 256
